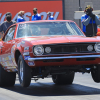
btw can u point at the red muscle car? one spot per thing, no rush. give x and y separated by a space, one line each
39 49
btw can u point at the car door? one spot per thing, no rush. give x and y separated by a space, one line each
6 48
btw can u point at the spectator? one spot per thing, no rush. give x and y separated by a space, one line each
36 16
49 15
90 22
4 26
20 17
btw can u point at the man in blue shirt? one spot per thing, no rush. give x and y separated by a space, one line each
90 22
36 16
20 17
49 15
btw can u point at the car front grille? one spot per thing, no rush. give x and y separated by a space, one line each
69 48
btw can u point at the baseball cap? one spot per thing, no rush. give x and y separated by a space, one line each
48 13
88 7
35 9
8 14
21 12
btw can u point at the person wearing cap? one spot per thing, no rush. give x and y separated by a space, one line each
90 22
49 15
36 16
20 17
4 26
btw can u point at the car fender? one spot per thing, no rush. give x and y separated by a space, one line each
20 49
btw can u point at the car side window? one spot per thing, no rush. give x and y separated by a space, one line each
9 36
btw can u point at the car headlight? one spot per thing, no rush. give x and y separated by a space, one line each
97 47
38 50
47 49
90 48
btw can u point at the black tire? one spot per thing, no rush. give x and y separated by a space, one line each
95 72
25 75
7 79
63 79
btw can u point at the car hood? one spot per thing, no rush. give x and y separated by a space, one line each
61 39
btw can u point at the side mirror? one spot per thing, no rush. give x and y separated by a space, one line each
98 31
0 38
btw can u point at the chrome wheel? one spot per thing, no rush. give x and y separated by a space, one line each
24 72
21 70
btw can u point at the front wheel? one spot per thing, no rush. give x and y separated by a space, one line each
24 72
95 72
63 78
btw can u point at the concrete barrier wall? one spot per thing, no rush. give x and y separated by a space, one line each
73 5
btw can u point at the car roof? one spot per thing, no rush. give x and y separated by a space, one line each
41 21
45 21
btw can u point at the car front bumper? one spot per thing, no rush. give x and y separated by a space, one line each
63 57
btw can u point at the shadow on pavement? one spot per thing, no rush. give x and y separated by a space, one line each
50 89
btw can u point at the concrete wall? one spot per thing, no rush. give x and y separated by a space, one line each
73 5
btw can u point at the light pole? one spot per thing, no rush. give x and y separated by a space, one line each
80 9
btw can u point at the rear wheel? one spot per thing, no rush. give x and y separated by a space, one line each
7 78
63 78
24 72
95 72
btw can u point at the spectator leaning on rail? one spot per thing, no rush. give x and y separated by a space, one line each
36 16
90 22
49 15
4 26
20 17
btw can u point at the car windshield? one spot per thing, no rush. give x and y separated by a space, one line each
48 29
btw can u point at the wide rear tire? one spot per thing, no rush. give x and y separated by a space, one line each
7 79
95 72
62 79
24 72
